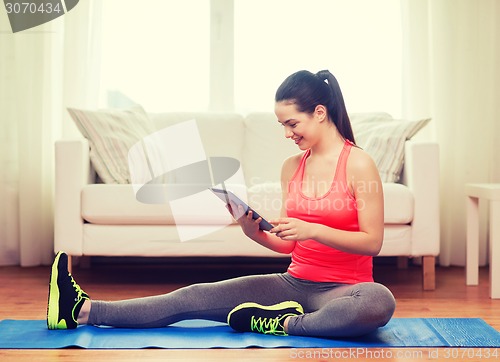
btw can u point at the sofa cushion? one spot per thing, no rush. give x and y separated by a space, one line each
221 133
397 240
117 205
111 133
398 204
383 138
265 198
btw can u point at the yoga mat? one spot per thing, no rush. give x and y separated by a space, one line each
399 332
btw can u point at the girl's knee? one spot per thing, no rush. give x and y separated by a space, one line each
380 302
387 303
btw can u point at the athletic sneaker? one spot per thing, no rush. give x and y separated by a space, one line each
253 317
65 296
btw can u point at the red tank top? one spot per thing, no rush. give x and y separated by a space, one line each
337 209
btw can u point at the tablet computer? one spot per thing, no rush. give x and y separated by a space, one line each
227 196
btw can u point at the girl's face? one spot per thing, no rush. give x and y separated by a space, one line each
300 127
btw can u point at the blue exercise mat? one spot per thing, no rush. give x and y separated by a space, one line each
399 332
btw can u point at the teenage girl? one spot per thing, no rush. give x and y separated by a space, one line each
332 224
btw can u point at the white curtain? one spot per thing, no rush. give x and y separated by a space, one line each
451 72
41 71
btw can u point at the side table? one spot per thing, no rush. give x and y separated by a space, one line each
490 192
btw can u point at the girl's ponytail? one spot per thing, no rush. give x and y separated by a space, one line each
336 108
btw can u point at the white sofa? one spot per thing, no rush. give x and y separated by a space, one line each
96 219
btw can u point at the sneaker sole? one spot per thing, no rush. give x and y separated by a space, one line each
282 305
53 304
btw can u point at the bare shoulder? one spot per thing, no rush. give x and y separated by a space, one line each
360 164
290 164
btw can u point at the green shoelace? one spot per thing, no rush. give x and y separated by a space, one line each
270 325
78 298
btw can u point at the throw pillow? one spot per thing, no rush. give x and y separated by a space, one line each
384 139
111 133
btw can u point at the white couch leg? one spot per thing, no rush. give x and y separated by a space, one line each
429 272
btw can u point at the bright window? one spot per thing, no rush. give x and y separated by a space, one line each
359 41
156 53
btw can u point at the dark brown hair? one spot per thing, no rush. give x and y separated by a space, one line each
307 90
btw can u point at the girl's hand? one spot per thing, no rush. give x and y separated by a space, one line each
248 224
288 228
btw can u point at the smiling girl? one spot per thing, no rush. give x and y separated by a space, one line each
332 223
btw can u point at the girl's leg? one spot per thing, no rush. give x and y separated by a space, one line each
212 301
344 311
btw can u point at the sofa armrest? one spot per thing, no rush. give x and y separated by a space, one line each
421 175
72 172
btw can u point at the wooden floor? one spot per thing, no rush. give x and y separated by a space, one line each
23 295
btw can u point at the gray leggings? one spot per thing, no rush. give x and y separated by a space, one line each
331 309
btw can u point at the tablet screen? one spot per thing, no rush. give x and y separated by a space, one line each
228 196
